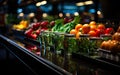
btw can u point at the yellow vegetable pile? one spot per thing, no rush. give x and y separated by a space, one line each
21 26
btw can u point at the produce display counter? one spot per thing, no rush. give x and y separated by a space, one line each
48 62
33 62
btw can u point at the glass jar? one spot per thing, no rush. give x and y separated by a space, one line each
95 43
84 44
47 39
106 37
58 42
70 44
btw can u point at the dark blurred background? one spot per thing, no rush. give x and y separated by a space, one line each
12 11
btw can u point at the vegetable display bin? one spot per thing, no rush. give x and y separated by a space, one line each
59 42
95 43
83 44
89 45
107 54
47 40
70 44
106 37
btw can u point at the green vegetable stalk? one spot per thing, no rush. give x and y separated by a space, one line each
68 26
58 24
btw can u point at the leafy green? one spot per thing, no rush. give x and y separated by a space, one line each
65 28
68 26
58 24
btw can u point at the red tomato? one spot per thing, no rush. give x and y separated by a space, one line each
43 29
109 30
52 23
99 32
85 28
92 33
101 26
36 25
31 47
28 32
93 27
34 36
38 31
92 23
66 20
44 24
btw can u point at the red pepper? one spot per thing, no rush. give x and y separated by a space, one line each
44 24
28 32
34 36
38 31
36 25
109 30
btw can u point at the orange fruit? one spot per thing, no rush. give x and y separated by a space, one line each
93 27
85 28
73 31
78 26
92 33
92 23
78 35
101 26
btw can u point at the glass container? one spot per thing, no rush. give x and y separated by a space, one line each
59 42
84 44
95 43
70 44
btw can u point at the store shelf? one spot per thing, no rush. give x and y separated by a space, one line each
32 61
55 63
104 63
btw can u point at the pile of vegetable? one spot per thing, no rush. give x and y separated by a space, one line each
65 28
113 44
35 29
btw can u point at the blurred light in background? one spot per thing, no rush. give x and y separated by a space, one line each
31 15
19 10
76 13
46 8
21 14
98 12
88 2
84 3
69 6
92 10
100 15
80 4
41 3
60 14
66 8
45 15
81 8
67 14
38 3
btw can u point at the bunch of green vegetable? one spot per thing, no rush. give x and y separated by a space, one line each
65 28
68 26
58 24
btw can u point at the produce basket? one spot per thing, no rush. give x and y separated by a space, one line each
107 54
46 40
58 41
88 45
106 37
70 44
